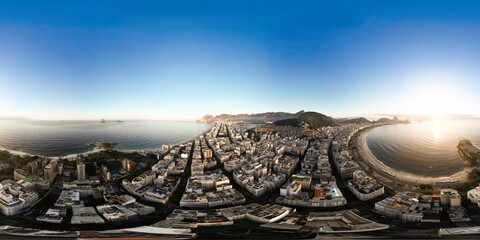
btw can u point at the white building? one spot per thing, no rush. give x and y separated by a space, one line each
363 187
450 198
474 195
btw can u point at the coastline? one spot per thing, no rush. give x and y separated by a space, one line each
98 149
383 170
72 155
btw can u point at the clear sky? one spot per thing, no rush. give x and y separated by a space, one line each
183 59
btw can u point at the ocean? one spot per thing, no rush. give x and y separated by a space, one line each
68 138
427 148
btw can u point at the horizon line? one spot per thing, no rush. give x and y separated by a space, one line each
9 117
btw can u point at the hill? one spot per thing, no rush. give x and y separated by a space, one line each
359 120
317 120
391 121
294 122
313 119
258 117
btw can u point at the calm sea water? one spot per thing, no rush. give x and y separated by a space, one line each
423 148
62 138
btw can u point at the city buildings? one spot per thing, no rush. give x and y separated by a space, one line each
268 213
69 199
52 215
450 198
474 195
363 187
181 218
263 160
151 189
325 194
16 197
81 168
51 170
347 221
128 165
85 215
415 207
115 213
212 189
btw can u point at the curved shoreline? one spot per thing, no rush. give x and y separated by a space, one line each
98 149
383 170
72 155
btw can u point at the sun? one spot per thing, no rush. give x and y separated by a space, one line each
434 101
434 98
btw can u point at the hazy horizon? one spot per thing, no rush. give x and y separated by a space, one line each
368 116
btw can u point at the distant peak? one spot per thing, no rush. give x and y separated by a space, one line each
300 112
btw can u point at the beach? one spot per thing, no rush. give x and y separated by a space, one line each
394 177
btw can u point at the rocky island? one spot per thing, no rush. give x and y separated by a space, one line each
104 145
468 151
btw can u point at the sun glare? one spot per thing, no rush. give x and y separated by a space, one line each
435 98
436 129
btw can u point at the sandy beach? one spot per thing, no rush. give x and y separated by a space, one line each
368 160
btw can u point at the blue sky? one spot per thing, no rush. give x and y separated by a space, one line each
184 59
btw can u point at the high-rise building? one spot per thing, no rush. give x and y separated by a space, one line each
60 169
106 173
32 167
49 172
128 165
43 163
80 168
165 148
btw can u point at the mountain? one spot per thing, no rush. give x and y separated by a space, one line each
313 119
391 121
207 119
359 120
294 122
317 120
383 120
258 117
